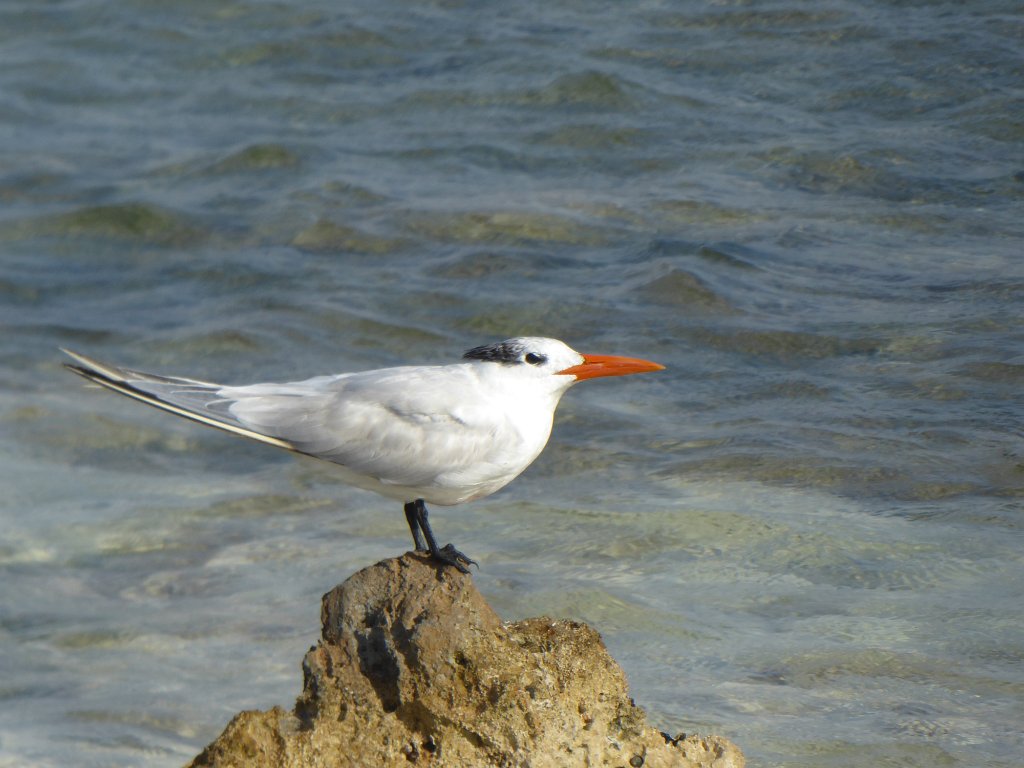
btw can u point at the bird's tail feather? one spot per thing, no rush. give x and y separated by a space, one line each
189 398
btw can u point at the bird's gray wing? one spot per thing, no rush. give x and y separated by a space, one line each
408 426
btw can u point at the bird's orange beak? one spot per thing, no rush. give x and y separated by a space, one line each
594 366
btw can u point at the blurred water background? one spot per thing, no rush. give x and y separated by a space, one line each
805 535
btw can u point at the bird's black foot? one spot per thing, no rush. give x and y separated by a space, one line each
449 555
424 541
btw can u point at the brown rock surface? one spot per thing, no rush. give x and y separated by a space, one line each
415 669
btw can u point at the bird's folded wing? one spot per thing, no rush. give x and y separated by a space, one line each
403 426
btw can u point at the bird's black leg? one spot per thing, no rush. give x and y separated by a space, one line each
414 526
446 554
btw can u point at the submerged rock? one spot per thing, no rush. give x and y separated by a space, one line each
416 669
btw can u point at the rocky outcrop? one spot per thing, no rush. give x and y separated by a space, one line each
415 669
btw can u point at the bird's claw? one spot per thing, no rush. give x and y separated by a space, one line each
449 555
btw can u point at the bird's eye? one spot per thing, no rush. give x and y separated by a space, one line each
535 359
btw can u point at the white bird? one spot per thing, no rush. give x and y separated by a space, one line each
439 434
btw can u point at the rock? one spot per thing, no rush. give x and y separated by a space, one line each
415 669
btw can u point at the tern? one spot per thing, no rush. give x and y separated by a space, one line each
442 434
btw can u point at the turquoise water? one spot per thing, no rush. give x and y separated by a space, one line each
805 534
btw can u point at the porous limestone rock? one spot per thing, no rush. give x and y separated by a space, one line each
415 669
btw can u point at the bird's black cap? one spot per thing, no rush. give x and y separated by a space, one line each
499 352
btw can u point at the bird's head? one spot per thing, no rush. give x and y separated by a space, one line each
554 358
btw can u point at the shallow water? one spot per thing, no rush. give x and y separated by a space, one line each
805 534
